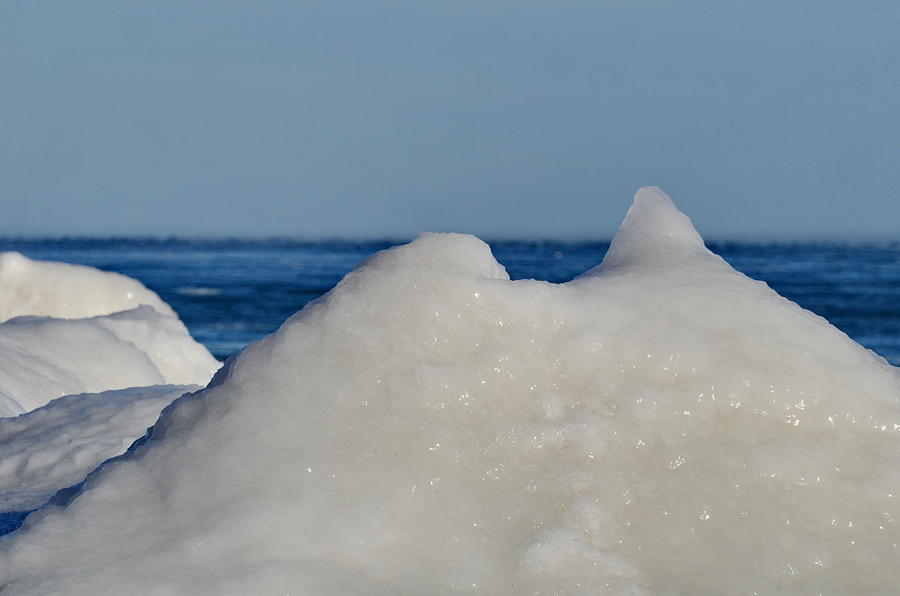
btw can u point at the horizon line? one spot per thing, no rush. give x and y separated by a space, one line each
759 239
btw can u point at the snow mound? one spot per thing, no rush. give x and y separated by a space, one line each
662 425
55 446
65 291
44 358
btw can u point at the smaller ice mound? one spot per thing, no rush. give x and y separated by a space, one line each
180 359
55 446
44 358
65 291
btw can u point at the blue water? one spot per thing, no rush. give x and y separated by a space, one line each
231 292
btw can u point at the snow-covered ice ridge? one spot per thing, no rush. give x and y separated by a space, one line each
43 358
661 425
105 352
56 446
65 291
69 329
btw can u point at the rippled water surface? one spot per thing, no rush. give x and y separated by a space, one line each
231 292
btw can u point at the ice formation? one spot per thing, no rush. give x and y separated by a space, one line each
61 290
55 446
145 353
661 425
42 358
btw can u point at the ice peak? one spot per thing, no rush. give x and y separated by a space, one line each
654 231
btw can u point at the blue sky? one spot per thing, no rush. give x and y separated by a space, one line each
500 118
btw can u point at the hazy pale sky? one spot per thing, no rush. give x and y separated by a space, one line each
501 118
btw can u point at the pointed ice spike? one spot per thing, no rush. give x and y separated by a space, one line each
654 232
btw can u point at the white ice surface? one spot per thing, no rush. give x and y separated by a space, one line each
44 358
166 341
661 425
55 446
65 291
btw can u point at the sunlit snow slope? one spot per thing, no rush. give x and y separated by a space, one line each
54 447
65 291
42 358
661 425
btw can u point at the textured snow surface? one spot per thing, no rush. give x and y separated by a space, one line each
661 425
61 290
70 329
44 358
55 446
